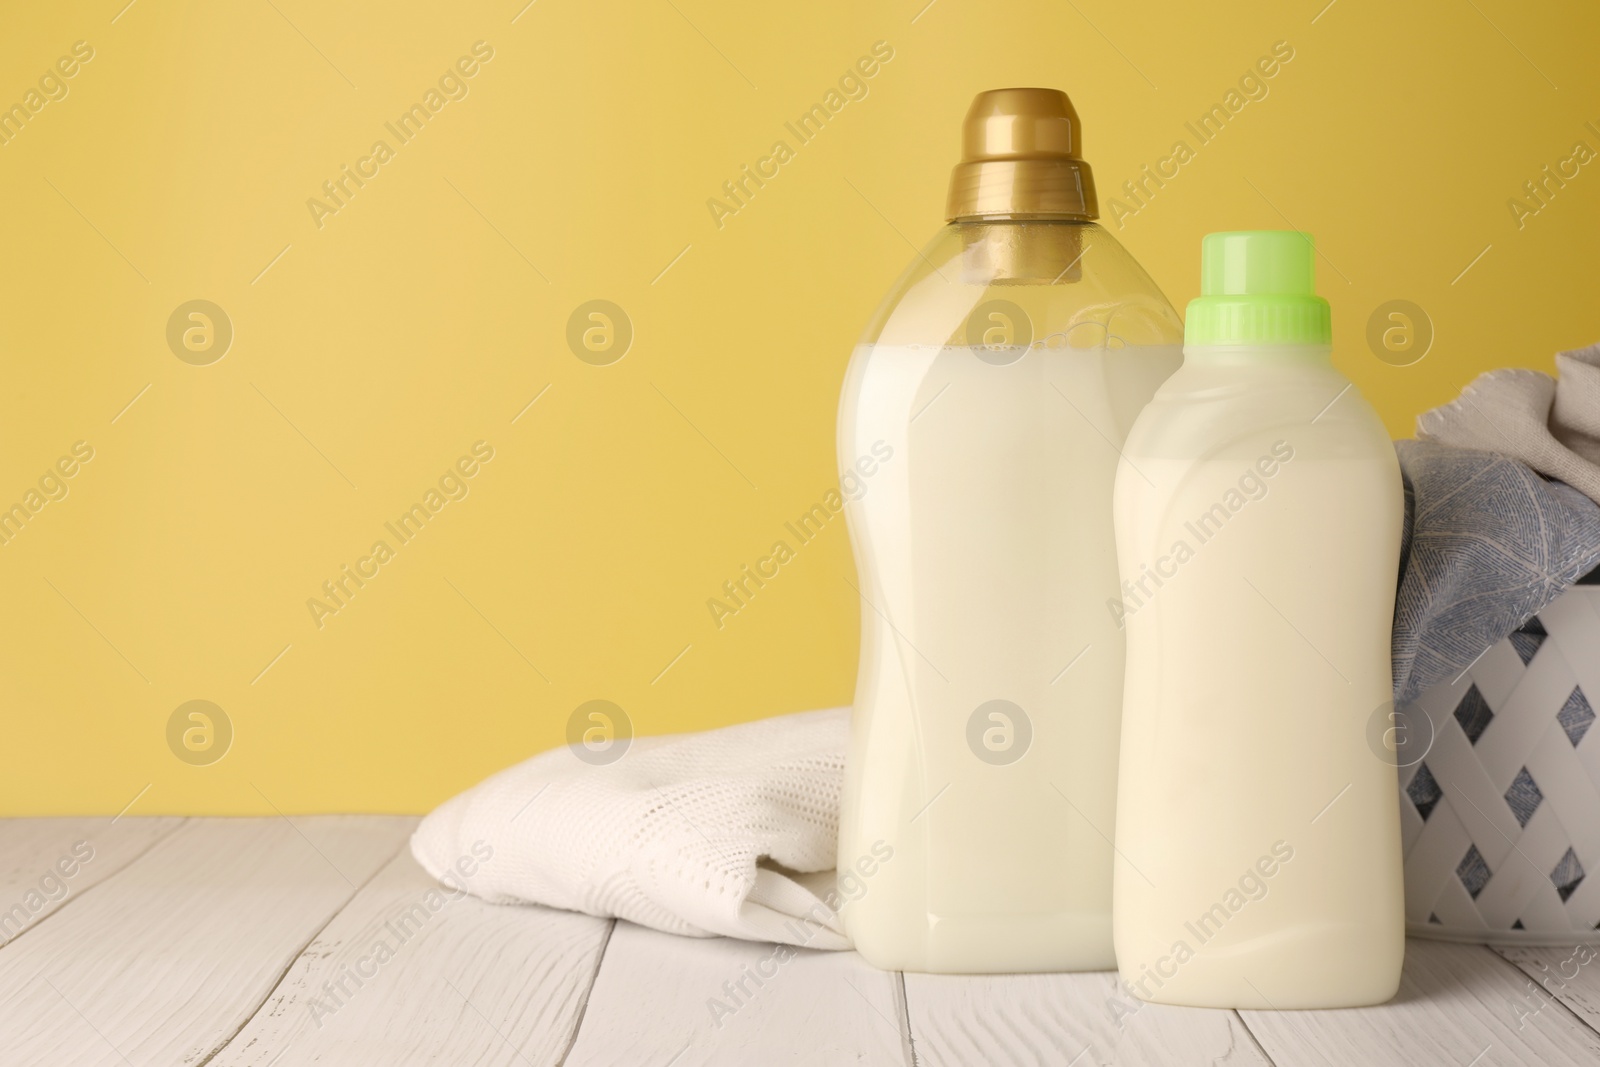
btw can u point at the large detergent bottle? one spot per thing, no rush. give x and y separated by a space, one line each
989 396
1258 509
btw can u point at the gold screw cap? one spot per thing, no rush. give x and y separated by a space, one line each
1020 159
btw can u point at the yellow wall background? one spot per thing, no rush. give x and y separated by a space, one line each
372 351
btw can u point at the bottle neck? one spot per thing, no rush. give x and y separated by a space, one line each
1020 251
1285 356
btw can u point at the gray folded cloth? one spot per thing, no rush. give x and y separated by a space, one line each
1488 544
1490 539
1551 424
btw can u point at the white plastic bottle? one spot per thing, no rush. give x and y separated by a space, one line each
989 396
1258 511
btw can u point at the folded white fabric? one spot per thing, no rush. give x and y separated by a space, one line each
1551 424
730 832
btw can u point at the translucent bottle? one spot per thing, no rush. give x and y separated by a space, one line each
989 397
1258 512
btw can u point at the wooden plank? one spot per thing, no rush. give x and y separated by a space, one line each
223 942
164 962
407 974
46 864
1057 1019
1569 975
1456 1005
662 999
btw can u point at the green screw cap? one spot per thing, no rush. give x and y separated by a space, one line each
1257 288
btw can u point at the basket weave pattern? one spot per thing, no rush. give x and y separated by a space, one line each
1500 819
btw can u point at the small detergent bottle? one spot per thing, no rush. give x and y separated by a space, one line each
1258 515
982 412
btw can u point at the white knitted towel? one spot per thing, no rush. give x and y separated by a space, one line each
729 832
1551 424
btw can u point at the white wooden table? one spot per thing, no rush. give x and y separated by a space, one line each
238 942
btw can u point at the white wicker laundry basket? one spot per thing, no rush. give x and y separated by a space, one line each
1500 807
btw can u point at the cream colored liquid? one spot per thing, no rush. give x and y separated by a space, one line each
985 554
1258 832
